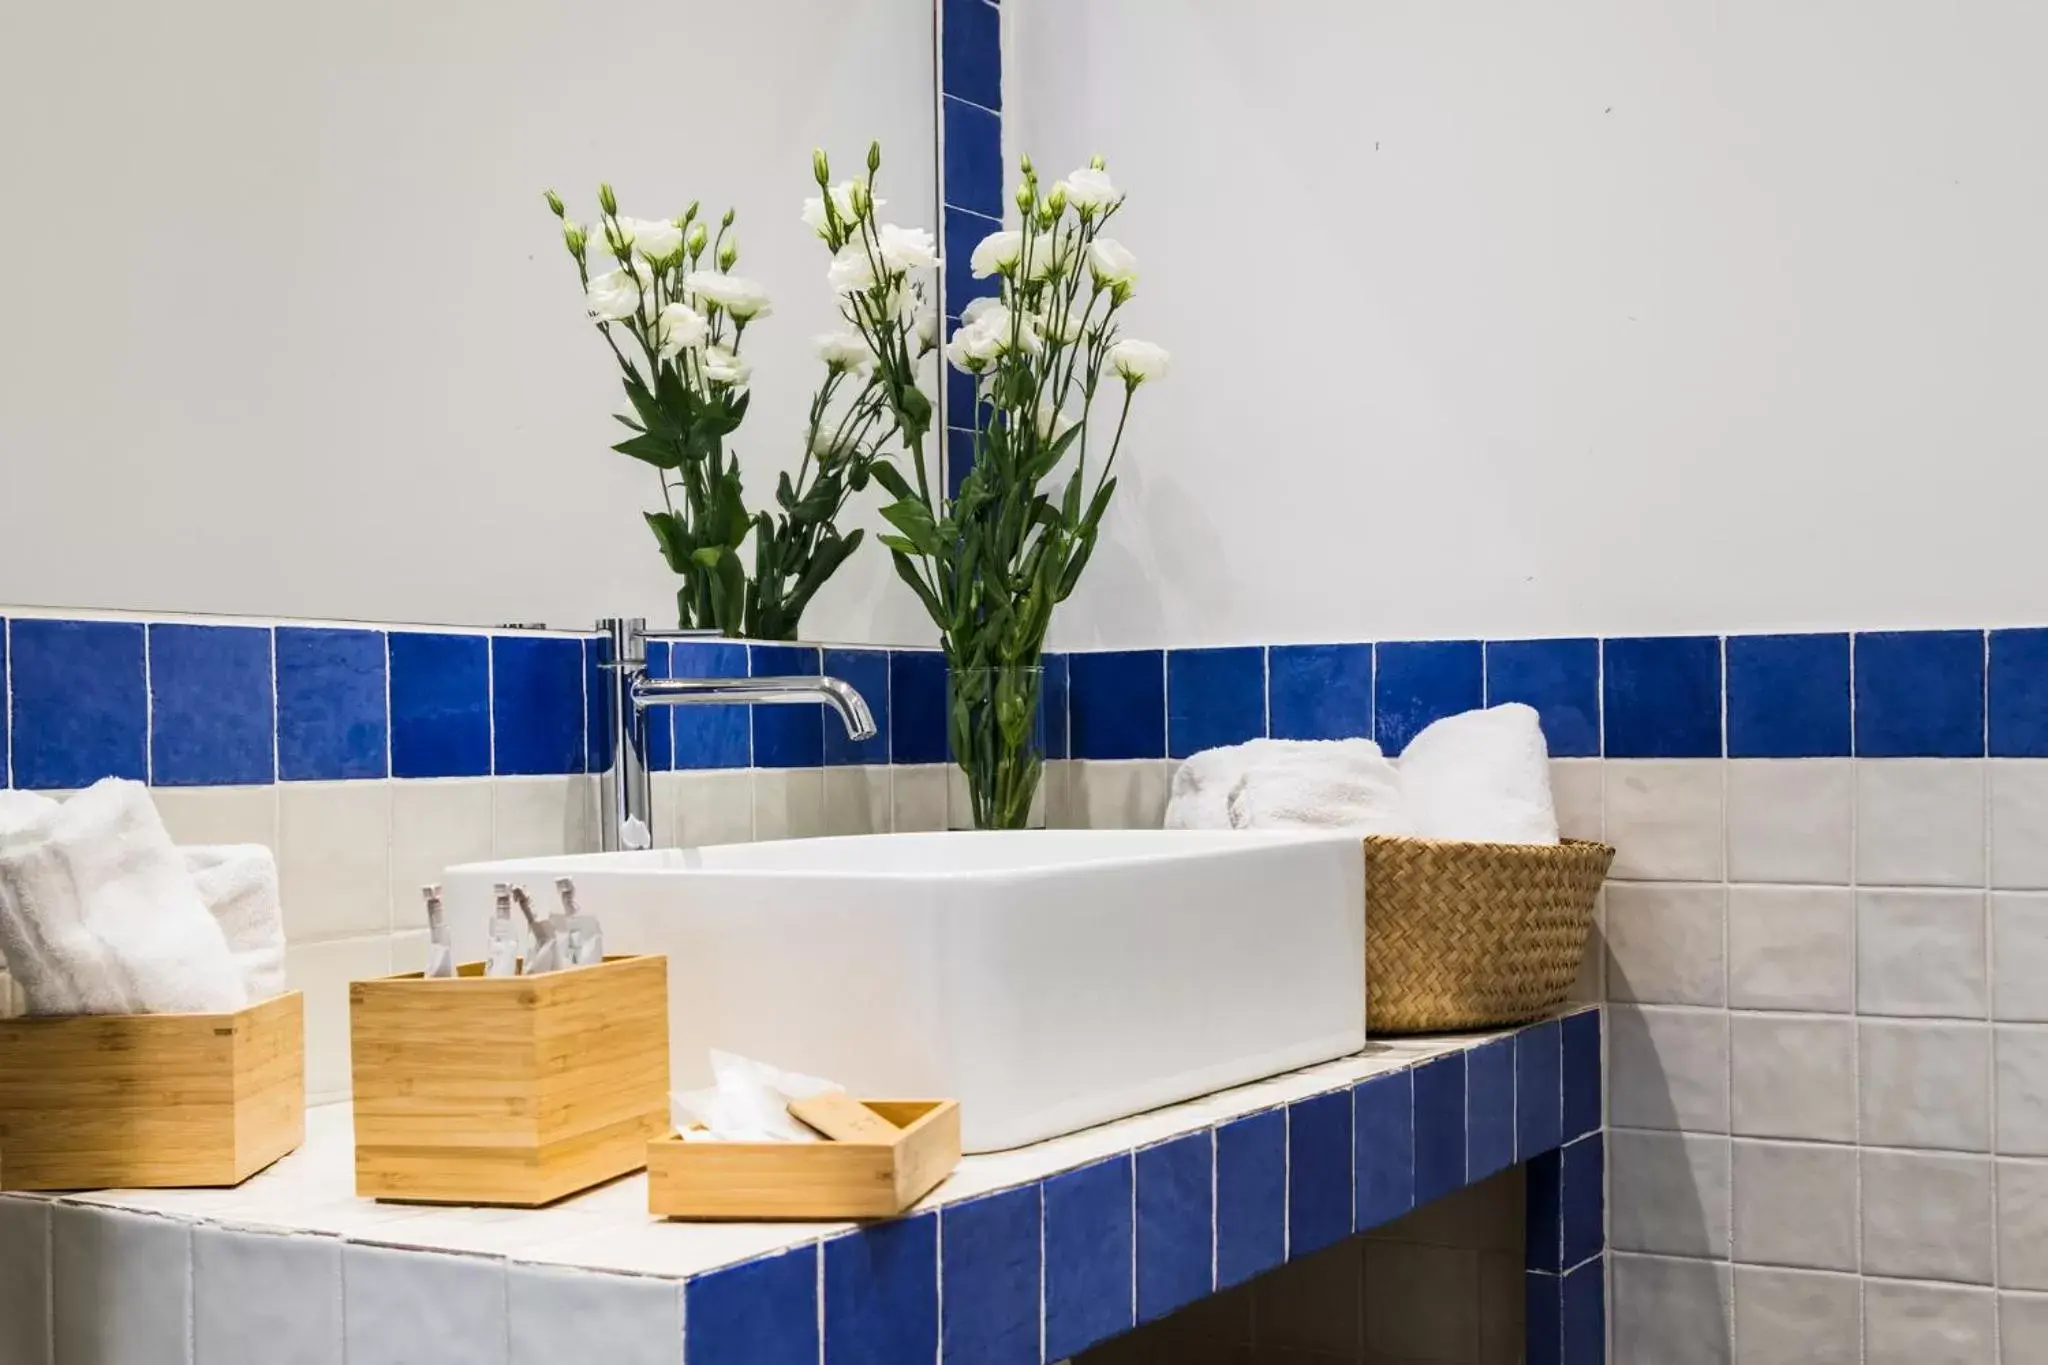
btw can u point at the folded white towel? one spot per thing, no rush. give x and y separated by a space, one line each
1482 775
98 915
238 883
1328 787
1206 784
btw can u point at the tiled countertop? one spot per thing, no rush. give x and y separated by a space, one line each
1026 1255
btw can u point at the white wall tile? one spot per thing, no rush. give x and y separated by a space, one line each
2019 822
1790 819
1669 1312
789 803
1928 1324
1591 982
1927 1216
1920 822
1125 793
2019 946
121 1287
1926 1084
25 1280
407 1308
218 815
1664 943
919 795
1668 1068
2023 1327
2022 1091
2023 1224
712 807
1668 1193
1795 1204
1062 803
1797 1317
1576 792
1664 819
322 971
334 859
857 800
1792 1076
558 1316
1921 953
542 817
263 1299
435 825
1792 948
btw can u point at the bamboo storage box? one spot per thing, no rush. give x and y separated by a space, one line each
762 1181
126 1101
517 1090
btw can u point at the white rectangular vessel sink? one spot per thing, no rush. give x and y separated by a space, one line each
1047 980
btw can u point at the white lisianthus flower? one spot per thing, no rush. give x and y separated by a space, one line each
1089 189
903 248
977 309
1051 423
823 449
1111 262
844 351
741 297
615 295
996 252
1138 361
842 206
654 238
721 366
980 342
1050 253
678 328
926 325
851 271
1067 332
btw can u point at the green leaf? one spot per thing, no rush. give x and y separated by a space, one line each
655 450
673 537
892 480
709 556
914 519
908 573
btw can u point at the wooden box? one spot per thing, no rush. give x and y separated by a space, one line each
762 1181
519 1090
128 1101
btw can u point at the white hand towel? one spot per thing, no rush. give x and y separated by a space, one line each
1203 785
1327 787
97 903
1482 775
238 883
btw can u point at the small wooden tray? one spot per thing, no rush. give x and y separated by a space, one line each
767 1181
133 1101
517 1090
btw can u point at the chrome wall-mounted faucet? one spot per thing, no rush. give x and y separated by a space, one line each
629 692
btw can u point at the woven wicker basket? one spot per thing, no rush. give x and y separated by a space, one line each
1468 935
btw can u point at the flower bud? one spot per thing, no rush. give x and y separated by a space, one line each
1056 202
695 241
858 198
1024 196
1024 163
874 157
726 221
1096 163
1047 216
729 252
821 169
689 214
607 201
554 202
575 238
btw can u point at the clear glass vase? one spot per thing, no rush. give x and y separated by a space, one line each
996 727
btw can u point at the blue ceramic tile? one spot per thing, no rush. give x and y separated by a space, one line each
2018 694
787 736
1581 1048
713 736
440 705
974 158
1053 706
1585 1314
1543 1225
882 1293
960 408
1582 1206
959 459
1214 697
1561 679
6 778
659 721
81 709
1117 704
597 714
1321 691
971 57
1439 1127
1489 1108
1383 1149
1416 682
990 1266
1920 694
1662 696
1251 1196
212 710
1539 1089
1318 1172
1544 1312
963 230
1088 1249
537 704
1175 1224
761 1312
868 671
330 705
917 696
1788 696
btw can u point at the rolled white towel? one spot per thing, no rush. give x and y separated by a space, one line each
238 884
1481 775
98 915
1326 784
1200 797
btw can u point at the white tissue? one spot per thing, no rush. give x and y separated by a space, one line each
1481 775
748 1102
238 883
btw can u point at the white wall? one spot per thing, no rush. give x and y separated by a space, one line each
1493 318
288 330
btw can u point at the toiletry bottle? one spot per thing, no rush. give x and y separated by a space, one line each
586 935
546 953
501 956
440 949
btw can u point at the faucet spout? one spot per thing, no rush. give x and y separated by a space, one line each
835 694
